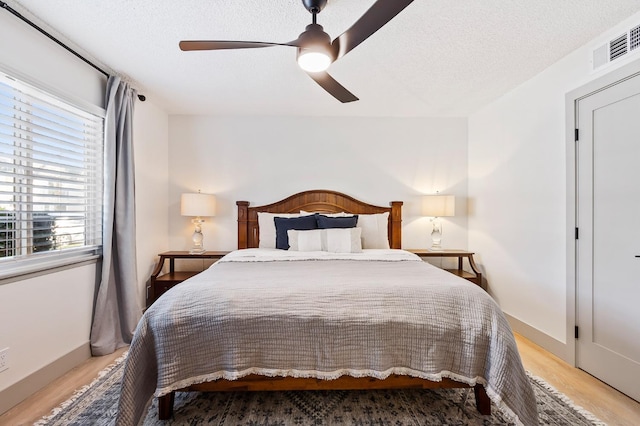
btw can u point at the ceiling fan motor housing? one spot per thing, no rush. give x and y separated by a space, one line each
315 40
314 6
314 35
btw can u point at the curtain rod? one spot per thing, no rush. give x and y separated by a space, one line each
70 50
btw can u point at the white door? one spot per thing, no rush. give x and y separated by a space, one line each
608 245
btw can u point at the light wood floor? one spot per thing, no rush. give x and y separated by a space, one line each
46 399
591 394
606 403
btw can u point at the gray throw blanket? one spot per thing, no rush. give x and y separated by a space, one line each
332 316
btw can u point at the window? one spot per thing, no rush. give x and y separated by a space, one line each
51 175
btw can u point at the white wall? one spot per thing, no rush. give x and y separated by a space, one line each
31 55
517 192
265 159
44 318
151 150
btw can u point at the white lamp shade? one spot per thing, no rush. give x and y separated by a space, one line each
439 205
197 205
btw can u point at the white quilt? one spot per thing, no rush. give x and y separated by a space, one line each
375 313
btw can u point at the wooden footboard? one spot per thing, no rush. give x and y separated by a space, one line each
261 383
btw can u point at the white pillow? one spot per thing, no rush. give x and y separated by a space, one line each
334 240
305 240
267 236
375 230
342 240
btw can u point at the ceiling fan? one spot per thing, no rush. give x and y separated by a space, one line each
316 51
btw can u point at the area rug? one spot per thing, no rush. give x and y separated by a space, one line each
97 404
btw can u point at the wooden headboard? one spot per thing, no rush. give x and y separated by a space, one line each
315 201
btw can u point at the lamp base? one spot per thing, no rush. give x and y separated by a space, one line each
197 237
436 235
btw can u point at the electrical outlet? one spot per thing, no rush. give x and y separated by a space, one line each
4 359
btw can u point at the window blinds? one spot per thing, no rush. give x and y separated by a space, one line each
51 173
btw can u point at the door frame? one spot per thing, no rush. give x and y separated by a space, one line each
612 78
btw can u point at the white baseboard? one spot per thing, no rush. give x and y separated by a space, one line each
18 392
541 339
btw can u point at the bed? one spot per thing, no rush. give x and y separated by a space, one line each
401 324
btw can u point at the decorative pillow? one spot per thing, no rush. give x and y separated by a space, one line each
375 230
267 228
283 224
325 222
343 240
305 240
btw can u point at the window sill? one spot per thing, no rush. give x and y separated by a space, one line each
23 269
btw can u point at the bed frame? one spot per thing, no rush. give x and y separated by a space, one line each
248 237
315 201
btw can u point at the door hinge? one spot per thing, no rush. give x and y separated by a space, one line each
577 233
577 134
576 332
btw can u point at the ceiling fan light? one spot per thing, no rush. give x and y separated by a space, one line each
313 61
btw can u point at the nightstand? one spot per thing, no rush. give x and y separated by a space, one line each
161 283
475 277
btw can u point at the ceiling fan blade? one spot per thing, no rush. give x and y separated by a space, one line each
373 19
225 44
333 87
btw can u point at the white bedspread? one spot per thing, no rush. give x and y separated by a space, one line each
373 314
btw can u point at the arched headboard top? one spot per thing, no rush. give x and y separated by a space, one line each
315 201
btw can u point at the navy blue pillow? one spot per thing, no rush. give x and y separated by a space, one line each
325 222
283 224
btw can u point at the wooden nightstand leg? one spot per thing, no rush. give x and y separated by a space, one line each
473 266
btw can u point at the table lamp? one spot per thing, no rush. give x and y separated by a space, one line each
437 206
197 205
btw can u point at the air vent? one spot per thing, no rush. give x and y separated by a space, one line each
617 47
634 38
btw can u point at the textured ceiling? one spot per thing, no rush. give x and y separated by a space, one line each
436 58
